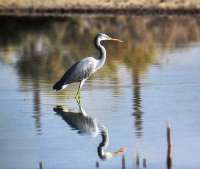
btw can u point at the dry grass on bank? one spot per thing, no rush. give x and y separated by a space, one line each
56 4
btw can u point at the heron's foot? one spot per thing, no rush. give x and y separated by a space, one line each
78 98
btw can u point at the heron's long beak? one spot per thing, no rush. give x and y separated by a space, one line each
120 151
117 40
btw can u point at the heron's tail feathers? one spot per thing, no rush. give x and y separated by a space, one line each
58 109
59 86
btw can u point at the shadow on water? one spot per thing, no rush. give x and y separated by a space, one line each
37 107
85 124
137 112
54 45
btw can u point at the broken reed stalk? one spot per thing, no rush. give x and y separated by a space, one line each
169 147
123 162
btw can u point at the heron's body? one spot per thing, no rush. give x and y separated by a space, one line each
82 70
79 72
79 121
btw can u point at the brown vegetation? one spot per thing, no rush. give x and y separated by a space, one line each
60 7
95 3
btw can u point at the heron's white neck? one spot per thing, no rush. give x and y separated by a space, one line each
103 145
102 57
103 154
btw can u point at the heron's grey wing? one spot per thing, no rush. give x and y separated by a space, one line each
69 73
84 124
77 121
66 78
79 71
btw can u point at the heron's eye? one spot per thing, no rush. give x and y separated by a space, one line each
106 37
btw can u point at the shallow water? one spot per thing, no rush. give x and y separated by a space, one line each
149 80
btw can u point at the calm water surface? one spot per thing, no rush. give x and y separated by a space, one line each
151 79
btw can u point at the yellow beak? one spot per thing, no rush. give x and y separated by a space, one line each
117 40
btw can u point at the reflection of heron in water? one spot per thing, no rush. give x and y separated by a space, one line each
87 125
82 70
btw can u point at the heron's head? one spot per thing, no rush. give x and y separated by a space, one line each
121 151
106 155
104 37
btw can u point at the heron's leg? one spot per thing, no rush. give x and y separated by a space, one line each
81 109
77 97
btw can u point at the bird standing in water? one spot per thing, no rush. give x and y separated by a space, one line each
83 69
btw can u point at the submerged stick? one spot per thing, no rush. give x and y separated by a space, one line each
40 165
97 164
169 147
144 163
137 160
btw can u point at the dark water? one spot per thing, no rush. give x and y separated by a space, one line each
151 79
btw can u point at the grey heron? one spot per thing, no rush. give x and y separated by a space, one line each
87 125
83 69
